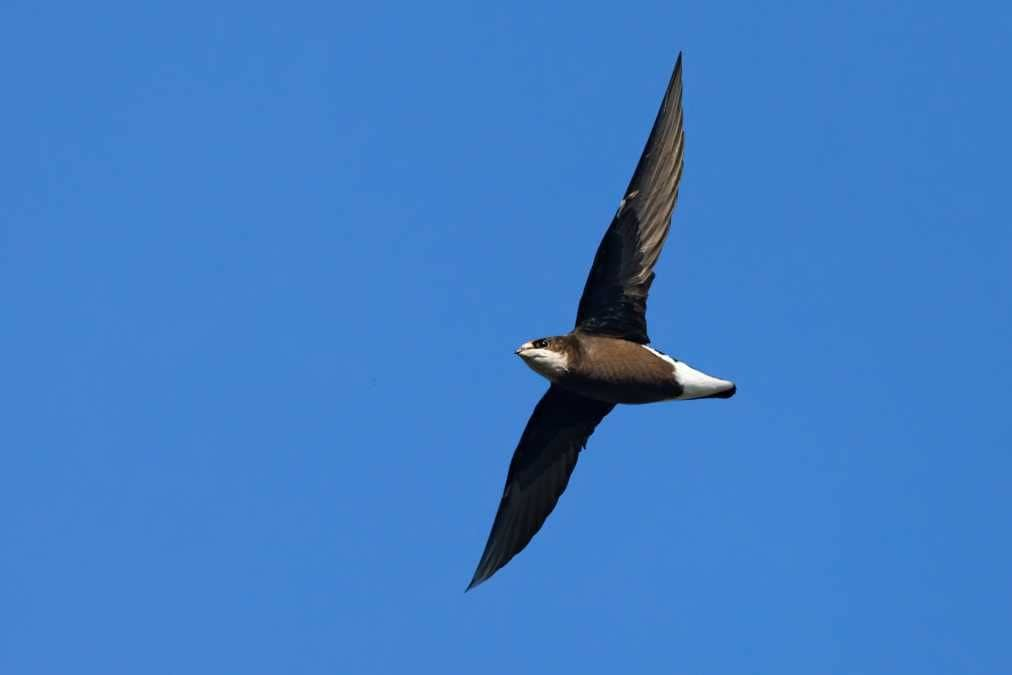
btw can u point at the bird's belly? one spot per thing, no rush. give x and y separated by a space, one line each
624 389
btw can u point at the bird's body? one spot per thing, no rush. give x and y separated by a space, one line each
620 371
605 359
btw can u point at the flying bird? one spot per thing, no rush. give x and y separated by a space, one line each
606 359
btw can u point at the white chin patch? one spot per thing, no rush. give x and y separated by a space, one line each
697 384
545 362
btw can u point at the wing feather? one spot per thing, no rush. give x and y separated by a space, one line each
614 301
539 472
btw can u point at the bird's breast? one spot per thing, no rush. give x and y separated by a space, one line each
619 371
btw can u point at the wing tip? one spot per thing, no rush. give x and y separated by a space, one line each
481 575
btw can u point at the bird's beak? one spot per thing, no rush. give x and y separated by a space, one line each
522 348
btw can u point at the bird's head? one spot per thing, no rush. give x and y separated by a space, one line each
546 356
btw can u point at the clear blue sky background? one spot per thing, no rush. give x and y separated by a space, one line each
263 270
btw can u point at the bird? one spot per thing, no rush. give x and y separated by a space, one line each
606 359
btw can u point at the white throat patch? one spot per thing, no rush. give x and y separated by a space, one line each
544 362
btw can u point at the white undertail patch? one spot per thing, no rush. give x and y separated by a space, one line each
694 383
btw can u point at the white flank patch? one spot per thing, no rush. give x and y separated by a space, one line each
694 383
665 357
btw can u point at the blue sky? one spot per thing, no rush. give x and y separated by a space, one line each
263 269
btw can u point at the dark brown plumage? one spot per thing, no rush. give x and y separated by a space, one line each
614 300
604 360
545 456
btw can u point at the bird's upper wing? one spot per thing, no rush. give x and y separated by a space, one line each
614 300
545 456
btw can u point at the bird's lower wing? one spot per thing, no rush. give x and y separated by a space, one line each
539 472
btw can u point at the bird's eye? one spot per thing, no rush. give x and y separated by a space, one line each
540 344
